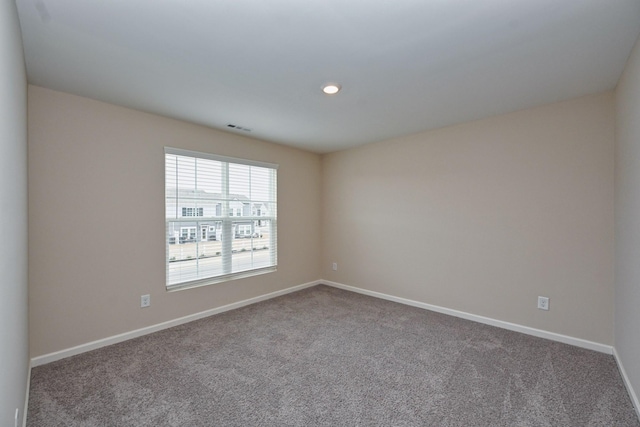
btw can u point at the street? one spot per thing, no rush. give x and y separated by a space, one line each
185 264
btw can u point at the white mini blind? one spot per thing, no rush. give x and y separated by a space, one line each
221 218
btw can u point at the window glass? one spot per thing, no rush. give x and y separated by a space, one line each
221 217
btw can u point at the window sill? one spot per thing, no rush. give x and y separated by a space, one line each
220 279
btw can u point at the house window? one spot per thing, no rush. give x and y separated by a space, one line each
192 211
210 236
187 234
244 230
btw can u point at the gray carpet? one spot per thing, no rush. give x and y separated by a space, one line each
327 357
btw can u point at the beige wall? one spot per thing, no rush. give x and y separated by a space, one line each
484 217
96 219
481 217
627 289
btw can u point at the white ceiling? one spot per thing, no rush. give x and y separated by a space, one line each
405 65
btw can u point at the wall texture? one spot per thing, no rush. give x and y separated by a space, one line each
627 207
14 353
96 222
484 217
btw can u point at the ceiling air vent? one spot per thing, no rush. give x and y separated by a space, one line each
236 127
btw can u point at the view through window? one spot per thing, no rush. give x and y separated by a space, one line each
220 218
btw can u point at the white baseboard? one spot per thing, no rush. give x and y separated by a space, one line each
602 348
627 383
52 357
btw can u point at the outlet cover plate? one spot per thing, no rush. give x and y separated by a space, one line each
543 303
145 301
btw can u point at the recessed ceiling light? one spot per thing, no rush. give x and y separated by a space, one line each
331 88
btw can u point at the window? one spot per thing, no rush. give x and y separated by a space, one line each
210 235
187 234
192 211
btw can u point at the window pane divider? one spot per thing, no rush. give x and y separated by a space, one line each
221 218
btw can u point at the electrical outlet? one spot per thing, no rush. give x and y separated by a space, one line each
335 266
145 301
543 303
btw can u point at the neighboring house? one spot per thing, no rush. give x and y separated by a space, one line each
208 210
259 209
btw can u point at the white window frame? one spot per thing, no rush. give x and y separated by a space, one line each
227 220
190 232
192 212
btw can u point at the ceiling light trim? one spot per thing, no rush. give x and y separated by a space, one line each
331 88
